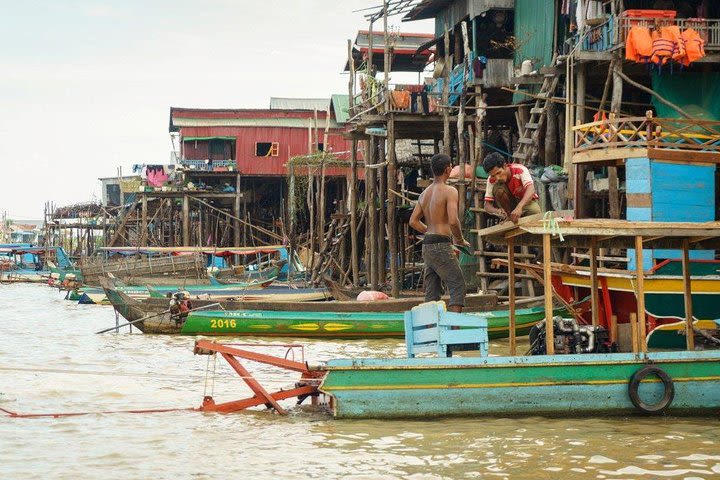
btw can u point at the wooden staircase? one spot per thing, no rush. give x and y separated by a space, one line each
528 143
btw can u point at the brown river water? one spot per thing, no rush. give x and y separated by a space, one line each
52 361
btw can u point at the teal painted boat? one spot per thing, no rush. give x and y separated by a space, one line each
556 384
92 295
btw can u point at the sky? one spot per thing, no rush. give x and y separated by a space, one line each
86 86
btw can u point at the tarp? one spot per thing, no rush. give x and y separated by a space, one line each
696 93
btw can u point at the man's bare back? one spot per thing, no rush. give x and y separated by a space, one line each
438 206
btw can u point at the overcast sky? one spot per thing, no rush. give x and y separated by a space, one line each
87 86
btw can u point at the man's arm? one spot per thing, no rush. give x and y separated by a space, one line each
452 214
490 208
526 198
415 221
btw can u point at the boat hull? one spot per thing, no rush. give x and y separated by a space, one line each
335 324
560 384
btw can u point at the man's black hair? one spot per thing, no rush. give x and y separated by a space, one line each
493 160
439 163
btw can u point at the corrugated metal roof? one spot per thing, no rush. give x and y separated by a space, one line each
252 122
278 103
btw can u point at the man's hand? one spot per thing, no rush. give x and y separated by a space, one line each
515 215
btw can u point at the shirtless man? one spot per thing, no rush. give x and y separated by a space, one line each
438 204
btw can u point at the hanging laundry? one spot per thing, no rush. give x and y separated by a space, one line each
156 176
639 44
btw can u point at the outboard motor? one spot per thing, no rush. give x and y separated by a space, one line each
571 337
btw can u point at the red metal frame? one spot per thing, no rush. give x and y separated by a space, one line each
306 386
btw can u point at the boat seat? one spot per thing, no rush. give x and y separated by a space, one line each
429 327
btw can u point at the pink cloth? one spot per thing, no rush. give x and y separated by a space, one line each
156 178
371 296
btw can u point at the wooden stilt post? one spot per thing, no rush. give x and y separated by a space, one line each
144 222
640 282
687 294
382 196
392 206
186 220
352 191
291 219
547 280
372 213
594 293
446 91
511 294
236 212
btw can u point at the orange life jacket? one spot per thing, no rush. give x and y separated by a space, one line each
694 46
663 47
639 44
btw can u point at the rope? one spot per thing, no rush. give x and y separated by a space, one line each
552 226
12 414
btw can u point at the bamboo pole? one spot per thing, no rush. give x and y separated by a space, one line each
351 81
511 294
186 220
447 66
594 294
547 280
352 192
382 196
639 272
687 296
372 214
392 206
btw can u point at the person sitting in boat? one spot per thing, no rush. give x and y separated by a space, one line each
180 305
438 205
510 187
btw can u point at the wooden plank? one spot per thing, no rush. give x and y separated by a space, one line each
687 296
683 156
608 154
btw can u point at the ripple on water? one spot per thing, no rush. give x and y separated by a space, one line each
121 371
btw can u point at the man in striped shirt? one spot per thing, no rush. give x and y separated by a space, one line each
511 187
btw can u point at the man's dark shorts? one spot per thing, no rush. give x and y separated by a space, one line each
441 265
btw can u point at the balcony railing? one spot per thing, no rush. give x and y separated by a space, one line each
607 36
666 134
207 165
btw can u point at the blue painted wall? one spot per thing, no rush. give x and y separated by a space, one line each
679 193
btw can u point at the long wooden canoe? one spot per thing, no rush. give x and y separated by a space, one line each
290 323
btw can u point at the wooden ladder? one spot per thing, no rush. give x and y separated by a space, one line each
528 144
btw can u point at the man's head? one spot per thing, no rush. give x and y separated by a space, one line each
497 167
441 165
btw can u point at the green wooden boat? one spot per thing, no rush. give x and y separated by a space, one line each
337 324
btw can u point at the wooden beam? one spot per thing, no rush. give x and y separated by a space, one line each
594 282
547 277
511 294
687 296
640 286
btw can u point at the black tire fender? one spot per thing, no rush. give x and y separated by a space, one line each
668 394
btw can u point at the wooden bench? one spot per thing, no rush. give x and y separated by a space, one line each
430 328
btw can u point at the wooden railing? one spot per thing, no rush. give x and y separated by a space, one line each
649 132
605 37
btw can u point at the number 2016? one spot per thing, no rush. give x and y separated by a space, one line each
222 323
